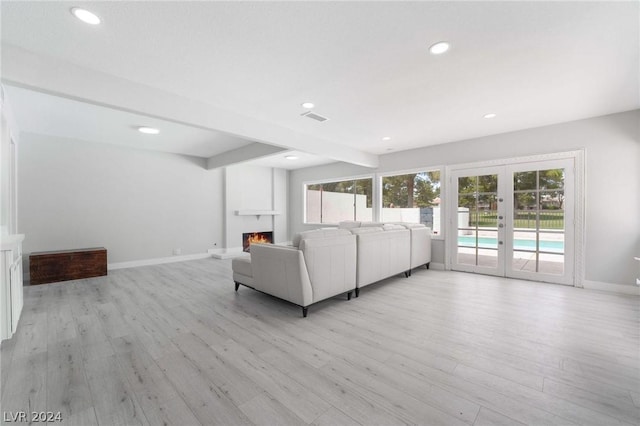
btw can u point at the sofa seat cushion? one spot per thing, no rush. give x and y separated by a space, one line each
242 266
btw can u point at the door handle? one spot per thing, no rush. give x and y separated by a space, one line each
501 226
500 217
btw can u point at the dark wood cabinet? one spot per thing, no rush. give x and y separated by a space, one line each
53 266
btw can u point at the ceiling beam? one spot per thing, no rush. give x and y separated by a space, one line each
243 154
23 68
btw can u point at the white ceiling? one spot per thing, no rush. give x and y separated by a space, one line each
42 113
365 65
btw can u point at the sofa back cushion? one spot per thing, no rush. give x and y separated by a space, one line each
372 224
382 254
317 233
366 230
331 264
392 227
349 224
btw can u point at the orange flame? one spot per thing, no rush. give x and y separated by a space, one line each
257 239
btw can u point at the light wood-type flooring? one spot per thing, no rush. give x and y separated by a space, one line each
174 344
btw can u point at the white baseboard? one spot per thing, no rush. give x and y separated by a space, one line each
613 288
156 261
436 266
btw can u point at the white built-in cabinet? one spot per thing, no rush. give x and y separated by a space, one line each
11 290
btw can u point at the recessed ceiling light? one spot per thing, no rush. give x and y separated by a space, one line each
291 157
85 16
386 138
439 48
148 130
308 105
490 115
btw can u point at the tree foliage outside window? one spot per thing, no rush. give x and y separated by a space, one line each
411 190
412 197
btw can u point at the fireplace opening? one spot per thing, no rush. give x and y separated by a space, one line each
255 238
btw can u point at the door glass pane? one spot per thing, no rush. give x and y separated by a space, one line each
487 211
525 212
467 184
538 218
488 258
478 221
488 183
551 264
552 242
525 241
523 181
551 179
524 261
466 211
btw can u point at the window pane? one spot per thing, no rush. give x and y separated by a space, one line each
412 197
313 204
364 201
333 202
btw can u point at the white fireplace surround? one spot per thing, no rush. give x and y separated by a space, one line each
255 201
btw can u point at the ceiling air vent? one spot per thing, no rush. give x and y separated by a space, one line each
314 116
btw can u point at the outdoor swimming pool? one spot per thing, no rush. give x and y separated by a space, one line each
487 242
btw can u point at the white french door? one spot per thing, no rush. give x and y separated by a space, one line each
514 220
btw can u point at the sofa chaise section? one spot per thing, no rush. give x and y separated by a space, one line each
322 266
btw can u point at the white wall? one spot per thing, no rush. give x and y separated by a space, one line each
9 133
612 146
138 204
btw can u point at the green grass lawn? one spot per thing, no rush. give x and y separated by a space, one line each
524 219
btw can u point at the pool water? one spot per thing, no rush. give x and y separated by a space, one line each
487 242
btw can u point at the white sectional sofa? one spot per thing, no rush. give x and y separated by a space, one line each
320 265
382 252
332 261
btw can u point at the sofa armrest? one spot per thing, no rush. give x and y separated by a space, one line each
420 246
281 272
